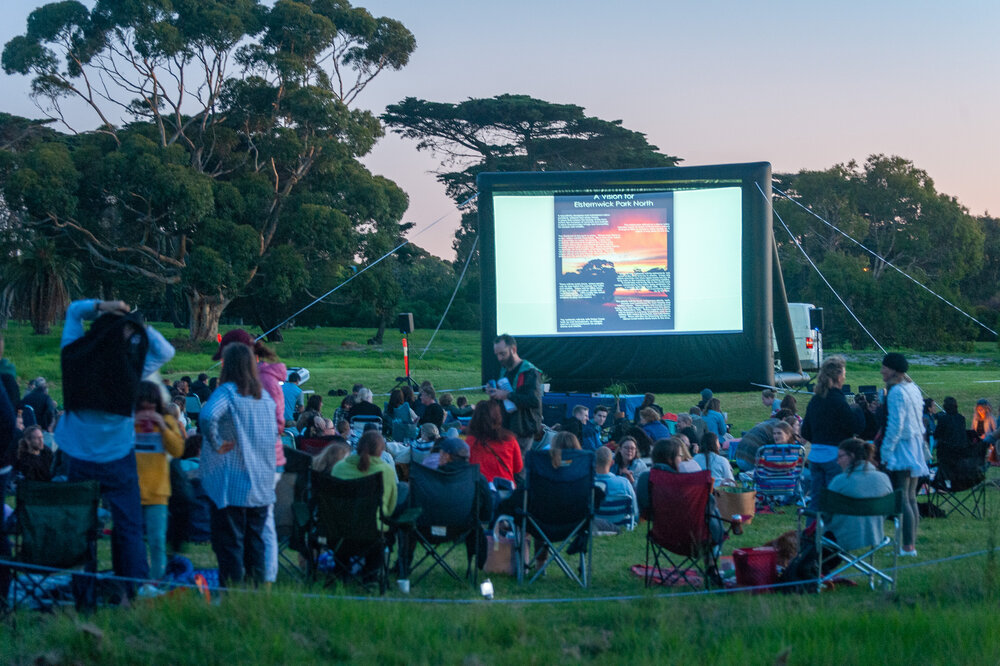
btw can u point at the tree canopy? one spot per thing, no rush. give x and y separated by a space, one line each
512 133
225 157
892 208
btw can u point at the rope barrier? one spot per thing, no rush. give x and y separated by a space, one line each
820 273
882 259
478 600
371 265
451 300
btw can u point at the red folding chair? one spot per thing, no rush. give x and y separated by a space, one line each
680 534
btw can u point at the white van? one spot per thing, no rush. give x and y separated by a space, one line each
808 341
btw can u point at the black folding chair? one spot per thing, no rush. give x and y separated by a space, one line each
57 530
291 512
449 515
558 508
348 522
684 532
959 485
830 503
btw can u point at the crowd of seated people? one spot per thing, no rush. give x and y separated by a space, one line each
414 430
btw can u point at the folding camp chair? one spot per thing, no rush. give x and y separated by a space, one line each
313 446
28 415
57 529
288 438
192 405
558 506
890 505
348 522
449 516
358 425
959 485
683 531
291 512
777 470
617 511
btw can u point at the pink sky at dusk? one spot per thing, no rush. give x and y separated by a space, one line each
799 84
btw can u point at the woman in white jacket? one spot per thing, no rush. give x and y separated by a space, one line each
903 442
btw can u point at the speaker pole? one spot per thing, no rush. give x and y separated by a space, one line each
405 320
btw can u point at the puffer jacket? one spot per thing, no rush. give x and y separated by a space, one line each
271 377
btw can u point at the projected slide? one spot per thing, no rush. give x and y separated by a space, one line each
660 278
613 262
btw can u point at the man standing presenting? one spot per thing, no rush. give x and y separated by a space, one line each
523 406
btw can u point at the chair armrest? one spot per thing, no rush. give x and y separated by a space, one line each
407 519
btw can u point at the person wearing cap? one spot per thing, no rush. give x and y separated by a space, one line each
903 442
706 395
272 374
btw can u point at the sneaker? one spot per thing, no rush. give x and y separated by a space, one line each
150 591
908 553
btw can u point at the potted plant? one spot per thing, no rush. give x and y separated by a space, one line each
617 390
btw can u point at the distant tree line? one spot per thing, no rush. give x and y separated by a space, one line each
892 208
222 181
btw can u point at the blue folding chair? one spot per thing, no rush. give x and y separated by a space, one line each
558 510
617 511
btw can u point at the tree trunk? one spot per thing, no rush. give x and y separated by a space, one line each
377 340
273 336
173 298
205 313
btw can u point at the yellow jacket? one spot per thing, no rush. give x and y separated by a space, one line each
154 468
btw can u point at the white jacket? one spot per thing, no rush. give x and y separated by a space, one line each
903 443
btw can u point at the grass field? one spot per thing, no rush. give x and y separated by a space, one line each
943 612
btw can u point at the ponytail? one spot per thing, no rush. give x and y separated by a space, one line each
370 446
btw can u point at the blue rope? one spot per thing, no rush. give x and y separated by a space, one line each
371 265
528 601
451 300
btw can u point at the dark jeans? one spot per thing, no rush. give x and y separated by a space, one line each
820 476
238 542
119 481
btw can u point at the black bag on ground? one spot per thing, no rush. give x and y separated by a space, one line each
804 569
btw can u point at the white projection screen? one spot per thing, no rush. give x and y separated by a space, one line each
658 278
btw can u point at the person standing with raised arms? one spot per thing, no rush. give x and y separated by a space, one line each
101 371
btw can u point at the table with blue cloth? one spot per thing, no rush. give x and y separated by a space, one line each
557 407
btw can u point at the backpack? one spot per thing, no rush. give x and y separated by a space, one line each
102 369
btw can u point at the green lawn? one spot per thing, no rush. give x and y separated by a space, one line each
943 612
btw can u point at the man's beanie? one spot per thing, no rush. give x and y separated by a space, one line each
896 361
